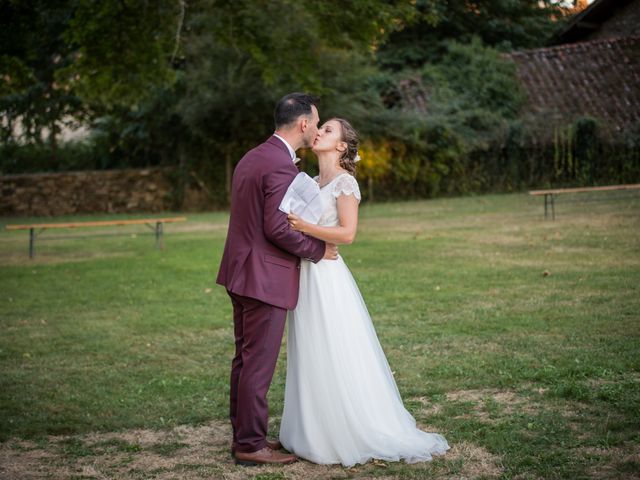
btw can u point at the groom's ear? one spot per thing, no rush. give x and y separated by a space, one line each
304 124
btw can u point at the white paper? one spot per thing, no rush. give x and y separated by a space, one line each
303 199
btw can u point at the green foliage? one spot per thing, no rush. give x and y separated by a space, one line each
240 59
583 152
193 86
503 24
481 78
16 75
586 146
471 95
146 136
33 158
32 51
121 50
468 136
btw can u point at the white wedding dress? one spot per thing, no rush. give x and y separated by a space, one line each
341 402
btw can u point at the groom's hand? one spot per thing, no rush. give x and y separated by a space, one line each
330 252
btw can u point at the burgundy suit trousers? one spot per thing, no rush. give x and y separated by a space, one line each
258 329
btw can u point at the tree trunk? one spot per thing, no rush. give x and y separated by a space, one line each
183 177
53 142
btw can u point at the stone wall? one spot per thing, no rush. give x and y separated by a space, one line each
49 194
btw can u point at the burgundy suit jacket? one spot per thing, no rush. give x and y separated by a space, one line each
262 253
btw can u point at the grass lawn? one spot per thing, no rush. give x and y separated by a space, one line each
515 337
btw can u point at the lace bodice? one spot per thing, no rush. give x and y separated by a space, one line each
343 184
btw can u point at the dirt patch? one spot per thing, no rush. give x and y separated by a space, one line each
189 452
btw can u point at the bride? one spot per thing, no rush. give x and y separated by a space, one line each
341 403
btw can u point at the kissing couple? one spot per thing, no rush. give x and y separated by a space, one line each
341 401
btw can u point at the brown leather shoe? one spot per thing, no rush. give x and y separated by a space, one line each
264 456
272 444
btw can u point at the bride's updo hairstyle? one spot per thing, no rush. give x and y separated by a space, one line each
350 137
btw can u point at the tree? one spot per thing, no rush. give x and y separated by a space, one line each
30 96
502 24
241 56
122 50
67 62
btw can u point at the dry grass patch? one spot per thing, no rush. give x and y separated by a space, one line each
509 401
614 462
428 408
188 452
477 461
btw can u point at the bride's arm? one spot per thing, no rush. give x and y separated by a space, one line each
343 234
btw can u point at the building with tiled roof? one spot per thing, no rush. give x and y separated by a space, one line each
592 69
601 19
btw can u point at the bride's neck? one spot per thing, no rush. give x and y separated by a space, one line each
329 164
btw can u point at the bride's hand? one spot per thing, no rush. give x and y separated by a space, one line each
296 222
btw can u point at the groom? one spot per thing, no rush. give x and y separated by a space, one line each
260 269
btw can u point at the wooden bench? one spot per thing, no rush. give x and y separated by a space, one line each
549 200
108 223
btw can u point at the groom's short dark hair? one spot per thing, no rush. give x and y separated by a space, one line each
291 106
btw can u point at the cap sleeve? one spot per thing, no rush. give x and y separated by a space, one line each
346 185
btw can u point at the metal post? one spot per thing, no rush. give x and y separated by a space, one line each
545 205
159 242
32 241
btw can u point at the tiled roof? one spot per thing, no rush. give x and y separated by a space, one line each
588 20
598 78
